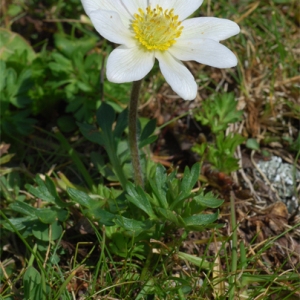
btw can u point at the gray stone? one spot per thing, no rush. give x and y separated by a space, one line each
283 177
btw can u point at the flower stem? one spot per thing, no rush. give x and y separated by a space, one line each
133 138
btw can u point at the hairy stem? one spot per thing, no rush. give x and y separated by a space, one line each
133 138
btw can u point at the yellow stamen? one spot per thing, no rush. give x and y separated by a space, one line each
156 29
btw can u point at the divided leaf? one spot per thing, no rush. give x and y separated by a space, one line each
133 225
202 219
45 191
138 197
80 197
159 187
208 200
23 208
189 180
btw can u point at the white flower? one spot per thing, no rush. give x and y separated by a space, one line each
149 29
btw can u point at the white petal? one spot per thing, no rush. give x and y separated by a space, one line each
128 64
208 28
133 6
110 26
204 51
116 5
163 3
177 75
182 8
90 5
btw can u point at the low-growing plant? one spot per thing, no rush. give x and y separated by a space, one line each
34 85
131 215
217 113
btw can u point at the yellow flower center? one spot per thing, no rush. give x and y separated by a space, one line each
156 29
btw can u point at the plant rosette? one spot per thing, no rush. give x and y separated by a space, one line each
159 29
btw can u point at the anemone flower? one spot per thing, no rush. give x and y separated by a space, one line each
149 29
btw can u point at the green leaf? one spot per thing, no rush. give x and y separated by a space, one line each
228 144
225 106
18 223
202 219
66 123
91 133
148 129
117 91
18 123
147 289
6 158
46 191
52 190
138 197
190 178
148 141
45 232
17 86
102 216
46 215
40 191
84 86
105 117
197 261
101 164
23 208
121 124
60 65
11 83
219 111
2 78
221 154
181 221
208 200
14 9
62 214
134 226
188 182
252 144
10 42
159 187
32 282
68 46
167 215
118 244
81 198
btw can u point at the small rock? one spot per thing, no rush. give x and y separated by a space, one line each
281 176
